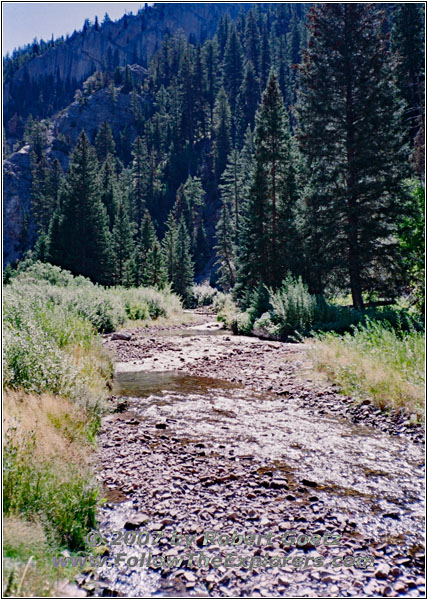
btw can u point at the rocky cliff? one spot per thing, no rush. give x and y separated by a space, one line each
131 39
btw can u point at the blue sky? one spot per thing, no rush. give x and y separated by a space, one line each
23 21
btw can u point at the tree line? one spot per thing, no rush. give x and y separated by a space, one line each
283 148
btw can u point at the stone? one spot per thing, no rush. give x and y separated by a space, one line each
135 522
121 335
382 571
309 483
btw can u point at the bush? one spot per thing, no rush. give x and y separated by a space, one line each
204 295
293 307
264 327
145 303
48 314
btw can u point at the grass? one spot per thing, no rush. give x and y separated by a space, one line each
57 376
27 566
378 362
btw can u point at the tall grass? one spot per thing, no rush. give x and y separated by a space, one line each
63 498
56 377
376 361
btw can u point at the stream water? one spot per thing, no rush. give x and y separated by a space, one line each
194 453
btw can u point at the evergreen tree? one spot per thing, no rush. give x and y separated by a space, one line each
189 204
145 243
128 82
109 189
123 246
44 196
155 272
169 247
222 123
187 97
252 41
265 58
349 131
232 190
233 73
211 66
254 237
104 142
79 239
140 172
248 100
183 279
273 153
225 249
408 41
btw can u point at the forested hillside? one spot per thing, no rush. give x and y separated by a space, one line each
288 140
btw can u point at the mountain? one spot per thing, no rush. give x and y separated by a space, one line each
130 40
45 84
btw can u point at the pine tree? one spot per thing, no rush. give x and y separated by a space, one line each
144 245
123 246
211 65
232 189
233 73
273 153
169 247
408 41
232 66
155 272
349 132
225 249
183 279
79 239
248 100
252 41
140 172
109 189
187 97
45 189
254 240
265 58
189 204
222 125
128 82
104 142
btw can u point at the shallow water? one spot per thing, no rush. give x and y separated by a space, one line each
359 473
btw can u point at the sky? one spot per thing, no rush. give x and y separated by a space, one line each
23 21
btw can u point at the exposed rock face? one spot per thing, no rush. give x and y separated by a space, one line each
131 38
16 200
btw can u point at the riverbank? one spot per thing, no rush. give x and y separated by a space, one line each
221 432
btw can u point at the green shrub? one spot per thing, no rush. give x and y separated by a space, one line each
204 295
293 307
264 327
241 323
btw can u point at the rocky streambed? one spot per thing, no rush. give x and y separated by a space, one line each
236 437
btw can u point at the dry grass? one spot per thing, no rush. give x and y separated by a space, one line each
58 424
175 318
376 363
